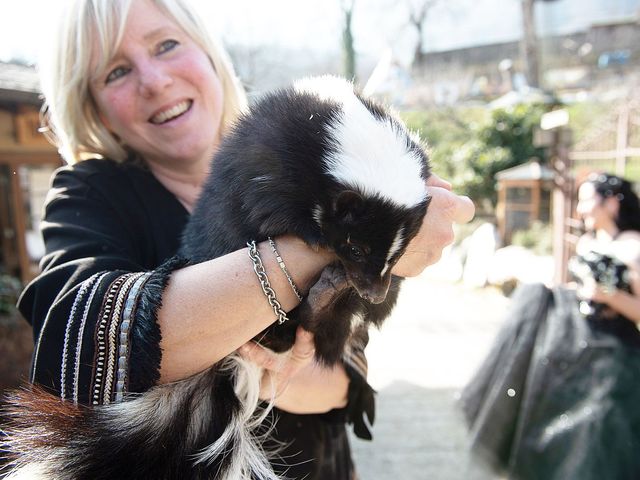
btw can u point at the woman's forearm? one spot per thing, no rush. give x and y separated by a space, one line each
210 309
625 304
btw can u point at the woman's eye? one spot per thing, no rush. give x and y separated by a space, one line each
116 73
167 45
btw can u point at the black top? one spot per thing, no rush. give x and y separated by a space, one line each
111 231
103 221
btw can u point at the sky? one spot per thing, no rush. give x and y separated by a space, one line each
304 23
316 24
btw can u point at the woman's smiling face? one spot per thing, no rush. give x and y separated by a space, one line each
596 212
160 94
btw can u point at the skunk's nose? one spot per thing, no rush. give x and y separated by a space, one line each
371 287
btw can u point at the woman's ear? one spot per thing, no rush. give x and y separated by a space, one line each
104 121
612 206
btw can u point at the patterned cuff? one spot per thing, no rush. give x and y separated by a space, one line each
113 338
146 354
74 347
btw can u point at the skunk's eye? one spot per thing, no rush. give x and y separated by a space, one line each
356 253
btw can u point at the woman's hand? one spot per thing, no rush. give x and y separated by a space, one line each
593 291
445 209
297 382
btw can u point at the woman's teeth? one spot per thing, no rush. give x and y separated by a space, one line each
171 113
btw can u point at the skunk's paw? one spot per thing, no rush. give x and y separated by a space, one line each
331 285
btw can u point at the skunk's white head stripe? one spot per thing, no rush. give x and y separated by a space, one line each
373 155
393 249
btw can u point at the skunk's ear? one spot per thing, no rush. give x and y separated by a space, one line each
348 205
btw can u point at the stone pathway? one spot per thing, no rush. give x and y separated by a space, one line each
424 354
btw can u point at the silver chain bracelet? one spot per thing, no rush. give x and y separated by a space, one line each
280 261
258 267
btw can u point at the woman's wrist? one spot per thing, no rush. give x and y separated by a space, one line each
212 308
295 252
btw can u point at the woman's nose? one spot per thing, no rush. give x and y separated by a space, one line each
152 79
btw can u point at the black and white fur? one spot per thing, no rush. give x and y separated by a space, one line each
317 161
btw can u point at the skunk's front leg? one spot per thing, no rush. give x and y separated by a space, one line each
325 313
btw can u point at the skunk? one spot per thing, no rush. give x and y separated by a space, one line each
316 160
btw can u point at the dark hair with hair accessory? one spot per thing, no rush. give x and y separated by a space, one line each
608 185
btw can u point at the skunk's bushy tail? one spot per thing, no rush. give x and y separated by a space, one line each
195 429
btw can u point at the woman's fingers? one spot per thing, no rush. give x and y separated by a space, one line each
435 181
282 365
301 355
461 207
261 356
436 232
456 208
280 368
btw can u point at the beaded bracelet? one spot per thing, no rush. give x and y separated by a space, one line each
258 267
284 269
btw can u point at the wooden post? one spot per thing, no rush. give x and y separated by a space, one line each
556 136
7 232
622 139
20 225
562 203
529 44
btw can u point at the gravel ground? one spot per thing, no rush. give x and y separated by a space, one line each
432 344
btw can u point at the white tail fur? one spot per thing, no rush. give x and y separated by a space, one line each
241 442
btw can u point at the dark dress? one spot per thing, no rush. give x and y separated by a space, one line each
557 397
111 232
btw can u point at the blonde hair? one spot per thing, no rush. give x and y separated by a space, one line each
70 115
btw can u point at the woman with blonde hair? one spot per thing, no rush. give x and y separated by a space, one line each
138 97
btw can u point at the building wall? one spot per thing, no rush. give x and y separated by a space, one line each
569 61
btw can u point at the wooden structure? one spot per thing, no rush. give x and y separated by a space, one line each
26 162
556 137
612 143
524 195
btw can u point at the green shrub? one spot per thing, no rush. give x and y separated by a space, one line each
538 238
468 146
10 288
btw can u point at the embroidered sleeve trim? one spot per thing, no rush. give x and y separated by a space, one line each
121 385
78 300
111 304
80 336
113 337
144 332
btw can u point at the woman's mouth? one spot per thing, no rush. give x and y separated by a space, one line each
171 113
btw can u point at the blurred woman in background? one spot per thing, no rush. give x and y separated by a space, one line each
557 397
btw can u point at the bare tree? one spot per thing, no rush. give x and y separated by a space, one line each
418 13
529 46
348 49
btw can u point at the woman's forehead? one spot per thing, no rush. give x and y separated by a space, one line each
142 20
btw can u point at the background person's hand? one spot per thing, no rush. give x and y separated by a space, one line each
445 209
295 379
593 291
